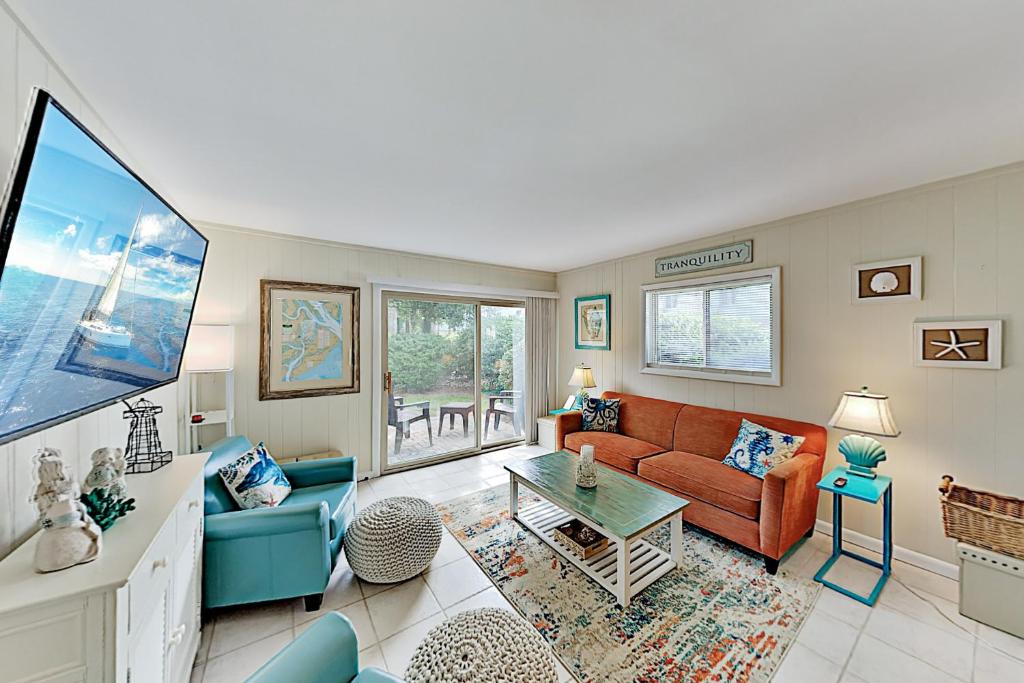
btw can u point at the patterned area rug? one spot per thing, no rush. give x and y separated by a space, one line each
719 618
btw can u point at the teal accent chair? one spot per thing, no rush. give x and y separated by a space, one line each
326 652
286 551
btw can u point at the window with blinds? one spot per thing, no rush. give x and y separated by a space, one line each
723 327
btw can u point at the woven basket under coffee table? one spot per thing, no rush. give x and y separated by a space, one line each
393 539
486 645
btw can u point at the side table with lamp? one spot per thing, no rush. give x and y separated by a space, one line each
865 414
583 378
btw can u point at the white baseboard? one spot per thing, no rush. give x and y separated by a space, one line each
920 560
364 475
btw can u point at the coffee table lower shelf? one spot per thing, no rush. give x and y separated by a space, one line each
645 564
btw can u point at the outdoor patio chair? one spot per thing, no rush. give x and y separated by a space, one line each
401 415
509 404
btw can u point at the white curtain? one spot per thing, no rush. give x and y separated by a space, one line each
541 328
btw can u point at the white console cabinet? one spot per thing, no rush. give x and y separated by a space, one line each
131 615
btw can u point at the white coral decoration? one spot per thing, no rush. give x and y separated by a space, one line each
54 482
487 645
108 472
393 540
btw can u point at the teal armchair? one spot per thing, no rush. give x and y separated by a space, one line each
275 553
326 652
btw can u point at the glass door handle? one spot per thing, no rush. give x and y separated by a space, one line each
387 382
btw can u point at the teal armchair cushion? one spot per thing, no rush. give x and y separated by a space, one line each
326 652
274 553
335 495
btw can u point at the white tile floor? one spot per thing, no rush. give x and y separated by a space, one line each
913 634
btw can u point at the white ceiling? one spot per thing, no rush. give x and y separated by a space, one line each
541 133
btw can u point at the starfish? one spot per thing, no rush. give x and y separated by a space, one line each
953 345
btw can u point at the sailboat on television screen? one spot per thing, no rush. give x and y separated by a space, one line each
97 326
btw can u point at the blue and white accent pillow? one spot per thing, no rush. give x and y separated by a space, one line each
757 449
255 480
601 415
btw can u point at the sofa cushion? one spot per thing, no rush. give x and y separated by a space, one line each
695 476
711 431
336 496
255 480
601 415
757 449
648 419
616 450
225 451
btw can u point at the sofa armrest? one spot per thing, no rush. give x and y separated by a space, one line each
789 502
228 526
315 472
567 423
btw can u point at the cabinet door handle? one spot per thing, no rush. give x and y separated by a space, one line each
159 564
193 504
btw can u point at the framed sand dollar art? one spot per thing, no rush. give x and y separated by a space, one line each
887 281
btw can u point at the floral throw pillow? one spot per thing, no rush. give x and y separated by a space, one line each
757 449
601 415
255 480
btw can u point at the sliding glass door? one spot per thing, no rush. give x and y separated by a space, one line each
453 377
503 375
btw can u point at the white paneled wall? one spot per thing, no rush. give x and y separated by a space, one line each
238 259
23 65
964 422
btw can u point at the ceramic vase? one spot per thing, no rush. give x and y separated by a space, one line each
586 470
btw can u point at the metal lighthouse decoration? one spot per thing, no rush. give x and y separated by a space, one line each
144 452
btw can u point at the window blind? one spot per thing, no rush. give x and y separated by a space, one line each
722 326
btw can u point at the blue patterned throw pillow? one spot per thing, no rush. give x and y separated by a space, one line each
601 415
255 480
757 449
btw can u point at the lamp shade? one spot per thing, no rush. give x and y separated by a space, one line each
211 348
582 376
865 413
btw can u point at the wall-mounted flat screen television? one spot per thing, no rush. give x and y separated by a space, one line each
98 278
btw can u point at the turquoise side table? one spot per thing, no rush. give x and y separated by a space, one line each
871 491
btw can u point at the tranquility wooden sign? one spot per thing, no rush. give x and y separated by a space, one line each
716 257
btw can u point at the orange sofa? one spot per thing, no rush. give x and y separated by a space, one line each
679 448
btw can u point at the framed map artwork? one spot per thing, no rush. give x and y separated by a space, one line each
309 339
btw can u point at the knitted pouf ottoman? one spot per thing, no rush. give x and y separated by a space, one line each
393 539
487 645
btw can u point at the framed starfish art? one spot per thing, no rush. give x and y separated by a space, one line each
976 344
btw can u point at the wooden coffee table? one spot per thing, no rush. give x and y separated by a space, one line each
621 508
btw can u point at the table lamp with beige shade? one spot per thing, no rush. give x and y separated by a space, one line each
866 414
582 377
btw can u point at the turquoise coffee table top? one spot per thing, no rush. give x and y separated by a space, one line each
620 504
857 487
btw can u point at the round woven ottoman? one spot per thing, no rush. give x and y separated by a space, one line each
487 645
393 540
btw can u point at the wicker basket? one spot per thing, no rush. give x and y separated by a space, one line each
987 520
584 548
